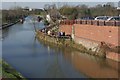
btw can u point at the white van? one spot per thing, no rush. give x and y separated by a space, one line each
101 18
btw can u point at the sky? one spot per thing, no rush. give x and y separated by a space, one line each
60 0
7 4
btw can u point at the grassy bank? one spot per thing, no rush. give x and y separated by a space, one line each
0 68
69 44
9 73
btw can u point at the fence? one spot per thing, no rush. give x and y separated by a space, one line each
91 22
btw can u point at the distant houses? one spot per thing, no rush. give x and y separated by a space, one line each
32 9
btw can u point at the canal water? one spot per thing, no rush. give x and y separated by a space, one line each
38 59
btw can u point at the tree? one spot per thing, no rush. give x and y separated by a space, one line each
98 6
83 6
110 4
46 8
70 12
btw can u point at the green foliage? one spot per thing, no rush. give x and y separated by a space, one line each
70 12
73 12
9 16
9 72
104 11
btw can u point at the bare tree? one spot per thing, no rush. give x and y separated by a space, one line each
110 4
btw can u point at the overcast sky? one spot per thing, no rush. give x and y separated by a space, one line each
7 4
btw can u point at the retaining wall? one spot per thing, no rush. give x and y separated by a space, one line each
108 34
91 36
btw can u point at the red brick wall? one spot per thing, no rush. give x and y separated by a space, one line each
66 28
108 34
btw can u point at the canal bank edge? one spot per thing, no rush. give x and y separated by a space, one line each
69 44
8 24
9 72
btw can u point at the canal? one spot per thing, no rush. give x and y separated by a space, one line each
37 59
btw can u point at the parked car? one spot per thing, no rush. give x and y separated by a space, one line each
117 18
102 18
86 18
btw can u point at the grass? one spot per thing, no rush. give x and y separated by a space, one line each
9 72
70 44
0 68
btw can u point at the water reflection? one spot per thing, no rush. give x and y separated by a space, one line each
36 59
34 47
33 59
5 33
91 66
